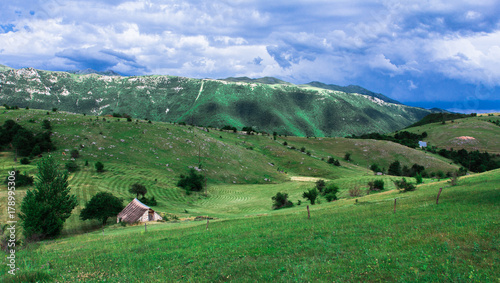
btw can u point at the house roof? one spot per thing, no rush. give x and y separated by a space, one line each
133 211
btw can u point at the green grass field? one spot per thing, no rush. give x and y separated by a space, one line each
353 239
455 241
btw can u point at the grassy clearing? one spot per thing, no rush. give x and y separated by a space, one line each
456 240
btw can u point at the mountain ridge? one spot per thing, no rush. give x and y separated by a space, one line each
266 104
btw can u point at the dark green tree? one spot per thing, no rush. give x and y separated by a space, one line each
375 168
102 206
72 166
377 185
45 208
404 186
99 166
418 178
23 141
347 156
75 153
311 195
191 182
320 185
280 200
395 168
330 192
138 189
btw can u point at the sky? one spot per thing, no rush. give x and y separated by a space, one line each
422 53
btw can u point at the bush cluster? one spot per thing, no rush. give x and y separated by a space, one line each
191 182
280 200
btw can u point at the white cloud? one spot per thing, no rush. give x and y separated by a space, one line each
332 41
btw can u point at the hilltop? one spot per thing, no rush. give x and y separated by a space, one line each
265 104
462 132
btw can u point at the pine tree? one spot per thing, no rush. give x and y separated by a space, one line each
45 208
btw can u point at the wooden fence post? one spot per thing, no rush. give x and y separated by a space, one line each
145 228
207 222
308 214
437 199
394 205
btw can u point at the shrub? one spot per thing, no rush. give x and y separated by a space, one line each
285 143
302 149
404 186
151 202
440 174
454 179
330 160
311 195
192 182
320 185
71 166
99 166
347 156
330 192
54 109
376 185
375 168
280 200
355 192
75 153
25 160
418 178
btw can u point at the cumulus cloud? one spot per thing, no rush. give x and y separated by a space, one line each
389 46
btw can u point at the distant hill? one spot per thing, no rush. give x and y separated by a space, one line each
353 89
91 71
438 117
264 80
266 104
460 131
4 68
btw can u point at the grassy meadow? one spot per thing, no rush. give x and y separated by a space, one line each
354 239
344 241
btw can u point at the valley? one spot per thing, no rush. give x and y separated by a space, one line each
357 237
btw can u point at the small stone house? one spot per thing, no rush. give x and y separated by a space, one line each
137 211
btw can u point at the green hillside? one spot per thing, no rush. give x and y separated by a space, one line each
357 238
471 133
351 240
265 104
155 154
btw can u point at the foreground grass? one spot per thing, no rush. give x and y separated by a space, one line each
457 240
